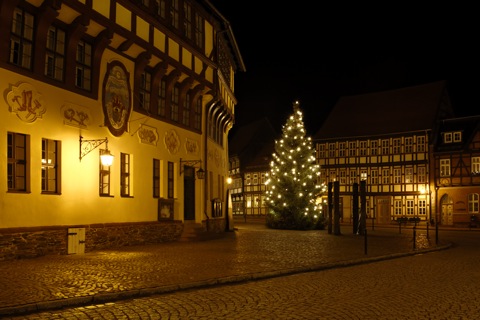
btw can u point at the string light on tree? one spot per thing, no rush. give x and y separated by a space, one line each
293 179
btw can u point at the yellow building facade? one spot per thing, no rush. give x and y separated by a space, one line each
150 82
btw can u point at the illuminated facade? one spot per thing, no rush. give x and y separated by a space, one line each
391 140
251 150
150 80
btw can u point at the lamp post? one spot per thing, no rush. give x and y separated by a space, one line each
227 217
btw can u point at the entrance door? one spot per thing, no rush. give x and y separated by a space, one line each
189 193
383 211
447 210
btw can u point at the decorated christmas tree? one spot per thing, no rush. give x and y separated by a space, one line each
293 180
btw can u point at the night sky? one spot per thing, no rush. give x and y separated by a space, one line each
315 54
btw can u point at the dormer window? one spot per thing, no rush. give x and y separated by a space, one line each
452 137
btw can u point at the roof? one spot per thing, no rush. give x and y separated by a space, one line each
394 111
469 126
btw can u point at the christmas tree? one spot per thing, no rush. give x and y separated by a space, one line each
293 180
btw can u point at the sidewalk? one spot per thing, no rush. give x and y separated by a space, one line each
250 252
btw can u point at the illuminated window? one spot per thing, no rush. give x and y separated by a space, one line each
473 203
408 175
50 166
104 179
422 207
410 207
444 167
475 165
422 174
398 207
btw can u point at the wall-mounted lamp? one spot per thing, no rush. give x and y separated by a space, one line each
86 146
192 163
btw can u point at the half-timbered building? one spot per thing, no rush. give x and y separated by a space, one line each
149 82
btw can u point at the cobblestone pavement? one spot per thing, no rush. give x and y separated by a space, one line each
104 278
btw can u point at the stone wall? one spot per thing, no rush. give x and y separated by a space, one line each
21 243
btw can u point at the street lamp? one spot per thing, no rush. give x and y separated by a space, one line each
86 146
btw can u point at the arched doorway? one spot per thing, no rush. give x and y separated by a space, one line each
446 205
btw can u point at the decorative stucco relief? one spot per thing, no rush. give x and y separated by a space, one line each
26 102
215 156
191 146
147 135
75 116
172 142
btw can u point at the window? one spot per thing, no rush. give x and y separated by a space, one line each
409 145
321 151
409 207
398 207
55 57
17 167
385 147
457 136
408 175
475 165
333 176
170 180
444 167
21 39
421 144
104 179
473 203
396 146
343 177
247 179
198 114
144 91
162 98
50 166
174 14
363 148
331 150
422 174
186 110
353 176
374 176
156 178
125 174
397 175
374 147
199 23
187 20
422 207
447 137
160 8
83 69
175 96
255 178
352 149
341 149
386 176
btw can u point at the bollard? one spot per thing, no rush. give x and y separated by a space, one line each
365 240
414 235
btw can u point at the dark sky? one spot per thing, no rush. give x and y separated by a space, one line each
316 54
